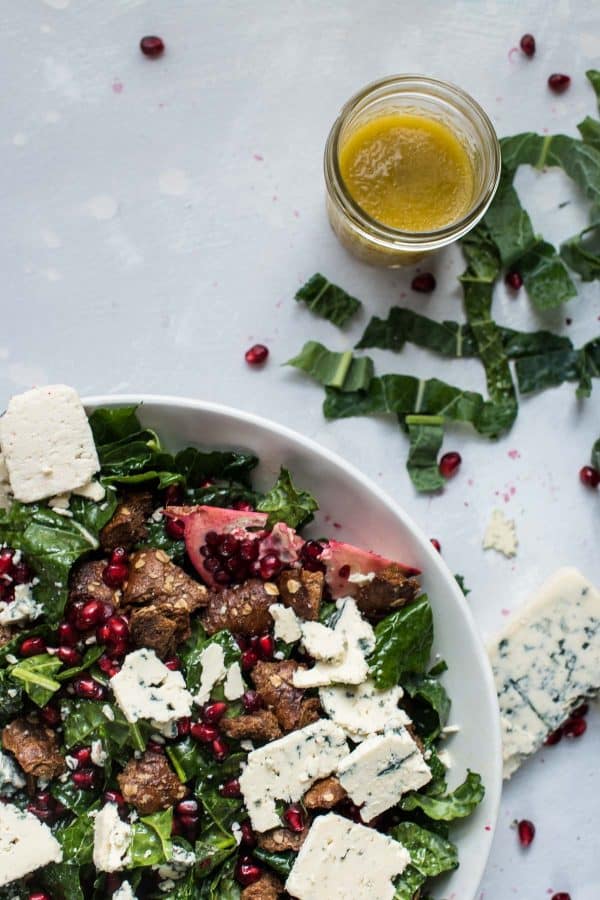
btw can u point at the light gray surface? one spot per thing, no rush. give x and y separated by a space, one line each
159 215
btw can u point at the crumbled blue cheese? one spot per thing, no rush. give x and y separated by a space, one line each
26 844
286 768
381 770
47 443
501 534
93 490
234 685
340 858
212 663
146 689
287 624
99 754
362 710
360 578
124 892
180 862
11 776
353 668
545 661
322 643
6 495
112 840
22 609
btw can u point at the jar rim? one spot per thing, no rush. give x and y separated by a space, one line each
387 235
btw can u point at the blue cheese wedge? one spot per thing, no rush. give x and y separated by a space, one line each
362 710
112 840
212 662
287 623
322 643
124 892
545 661
286 768
342 859
234 685
352 668
381 770
24 608
26 844
146 689
47 443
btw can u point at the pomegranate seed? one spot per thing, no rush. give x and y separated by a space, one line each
254 568
221 576
241 641
237 568
174 495
44 815
247 872
256 355
249 549
112 796
21 573
67 636
190 825
252 701
32 646
183 727
562 895
43 800
344 572
50 716
119 555
69 656
294 818
450 464
220 749
107 666
513 280
173 663
589 476
249 660
39 895
114 574
83 756
91 614
554 737
213 712
558 82
73 611
436 544
175 529
526 831
580 712
424 283
312 550
527 44
155 747
230 788
574 728
243 506
187 808
247 835
266 646
83 779
206 734
118 629
152 46
211 564
228 545
212 539
85 686
6 561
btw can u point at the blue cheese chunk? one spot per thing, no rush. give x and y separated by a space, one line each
287 623
24 608
322 643
362 710
47 443
11 776
112 840
286 768
234 685
124 892
381 770
342 859
501 534
546 660
146 689
26 844
352 668
212 663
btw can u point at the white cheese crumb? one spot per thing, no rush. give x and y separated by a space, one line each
93 490
445 757
501 534
26 844
22 609
212 661
11 777
287 624
322 643
359 578
99 754
234 685
125 892
112 840
108 712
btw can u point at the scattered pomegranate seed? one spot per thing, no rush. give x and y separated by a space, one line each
526 831
44 815
554 737
580 712
266 646
108 666
294 818
256 355
230 788
589 476
213 712
155 747
562 895
344 572
183 727
243 506
69 656
173 663
175 529
152 46
112 796
50 716
187 808
87 687
115 574
248 838
118 628
84 779
559 82
574 728
310 555
527 44
39 895
90 615
249 660
436 544
247 872
450 464
174 495
67 635
21 573
270 565
513 280
32 646
206 734
83 755
252 701
220 749
6 561
423 283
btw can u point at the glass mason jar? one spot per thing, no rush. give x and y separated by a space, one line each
380 244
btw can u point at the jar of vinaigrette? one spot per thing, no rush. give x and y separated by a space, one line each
411 165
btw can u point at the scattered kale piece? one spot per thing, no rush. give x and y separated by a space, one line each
595 458
426 435
337 370
328 300
461 583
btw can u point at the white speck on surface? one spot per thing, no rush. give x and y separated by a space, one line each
173 182
52 274
103 207
51 239
57 4
52 117
501 534
20 139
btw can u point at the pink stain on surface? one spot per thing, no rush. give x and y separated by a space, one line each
511 54
514 454
505 612
470 482
258 157
296 214
488 827
117 86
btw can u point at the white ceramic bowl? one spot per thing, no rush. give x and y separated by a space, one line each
369 518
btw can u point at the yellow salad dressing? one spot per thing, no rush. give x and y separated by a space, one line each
408 172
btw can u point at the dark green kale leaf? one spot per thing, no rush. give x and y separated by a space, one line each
62 881
285 503
456 805
77 837
405 326
431 704
11 697
595 459
426 435
582 252
403 642
343 371
198 466
151 843
328 300
429 852
461 583
280 862
408 883
220 884
36 676
191 651
85 720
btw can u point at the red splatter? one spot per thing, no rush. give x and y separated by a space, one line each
511 53
505 612
296 214
336 525
514 454
470 482
275 198
258 157
117 87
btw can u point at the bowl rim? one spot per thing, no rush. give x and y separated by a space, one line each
493 790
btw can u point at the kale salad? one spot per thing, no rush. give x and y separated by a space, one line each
196 701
